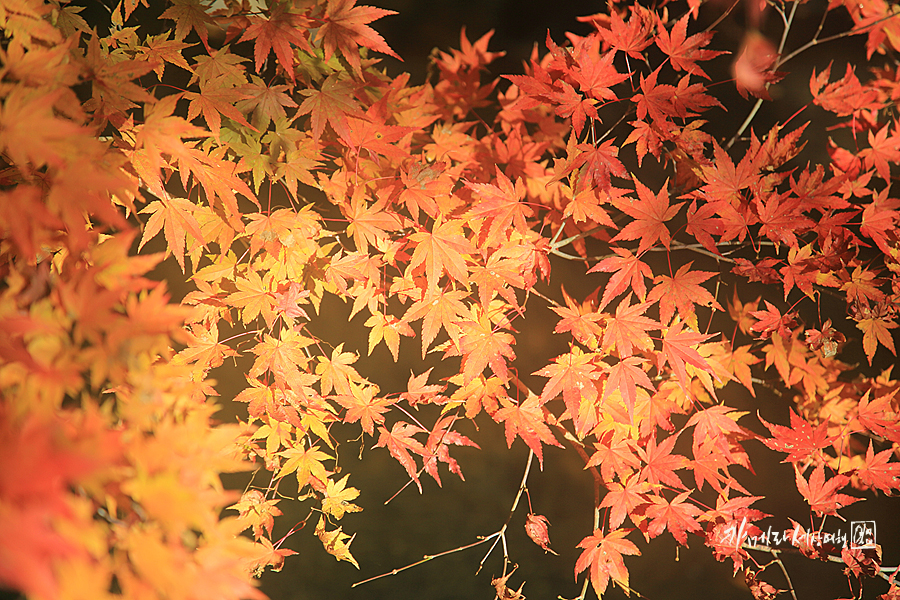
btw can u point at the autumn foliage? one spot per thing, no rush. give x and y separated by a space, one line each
280 164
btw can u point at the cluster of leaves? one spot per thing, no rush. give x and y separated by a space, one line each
453 197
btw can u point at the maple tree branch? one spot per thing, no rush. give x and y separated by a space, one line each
497 536
425 559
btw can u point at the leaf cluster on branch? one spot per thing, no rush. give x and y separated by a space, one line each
281 165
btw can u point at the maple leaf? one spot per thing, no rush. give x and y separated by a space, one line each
536 526
627 270
703 225
444 248
582 325
878 416
526 420
594 71
679 347
603 554
501 208
684 51
876 329
345 28
878 473
628 328
716 424
363 405
159 50
625 376
287 296
799 440
215 99
336 372
267 101
822 496
623 498
189 15
400 442
771 321
631 38
574 375
336 501
336 542
418 390
276 33
438 309
677 516
306 463
614 456
570 103
204 348
483 344
650 212
257 511
661 464
270 556
598 163
176 215
682 291
586 206
389 328
333 103
882 150
843 97
753 69
437 448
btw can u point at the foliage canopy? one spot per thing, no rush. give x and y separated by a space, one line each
281 165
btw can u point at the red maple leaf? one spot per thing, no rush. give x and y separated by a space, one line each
682 291
627 270
772 321
594 71
799 440
603 554
631 38
444 248
625 376
650 212
574 375
677 516
661 463
599 162
333 103
437 448
400 442
679 348
345 28
629 328
623 498
501 207
527 421
614 456
754 68
822 496
845 96
570 103
684 51
878 473
277 33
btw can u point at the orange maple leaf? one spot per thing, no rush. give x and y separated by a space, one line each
345 28
603 555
